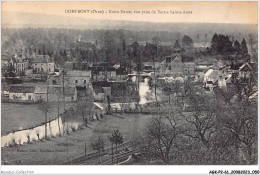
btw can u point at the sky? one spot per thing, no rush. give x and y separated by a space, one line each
202 12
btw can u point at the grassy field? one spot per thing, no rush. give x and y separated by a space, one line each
55 151
21 116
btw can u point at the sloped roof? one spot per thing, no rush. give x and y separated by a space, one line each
98 86
40 90
254 66
150 63
209 72
69 90
78 73
42 59
245 67
58 90
163 62
118 86
5 87
176 59
121 71
215 75
235 66
22 89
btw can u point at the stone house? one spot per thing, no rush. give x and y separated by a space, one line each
20 65
71 78
55 93
21 93
177 65
77 78
43 64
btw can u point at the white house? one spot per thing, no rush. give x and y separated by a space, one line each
20 93
43 64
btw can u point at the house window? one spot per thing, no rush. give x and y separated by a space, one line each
29 97
85 81
76 81
170 68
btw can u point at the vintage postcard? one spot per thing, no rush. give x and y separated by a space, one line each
129 83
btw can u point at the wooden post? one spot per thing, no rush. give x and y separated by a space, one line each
85 149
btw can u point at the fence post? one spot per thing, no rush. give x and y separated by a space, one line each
85 148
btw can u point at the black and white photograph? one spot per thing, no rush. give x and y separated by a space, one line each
129 83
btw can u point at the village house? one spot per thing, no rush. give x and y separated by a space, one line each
77 78
55 93
177 65
101 73
21 93
121 74
20 65
101 89
214 78
71 78
148 66
117 91
5 60
43 64
246 69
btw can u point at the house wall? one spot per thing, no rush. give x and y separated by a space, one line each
21 96
99 96
45 67
76 81
5 92
101 75
121 77
188 68
55 80
107 91
176 68
40 97
20 67
244 74
163 68
111 75
28 72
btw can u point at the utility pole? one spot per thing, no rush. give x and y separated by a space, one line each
46 115
63 93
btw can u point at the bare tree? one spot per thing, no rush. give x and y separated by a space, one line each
116 138
45 107
85 106
98 145
161 131
238 116
201 120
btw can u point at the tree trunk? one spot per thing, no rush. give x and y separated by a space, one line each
99 157
155 89
45 125
116 155
59 116
50 127
112 154
83 117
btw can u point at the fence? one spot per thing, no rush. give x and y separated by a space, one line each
95 154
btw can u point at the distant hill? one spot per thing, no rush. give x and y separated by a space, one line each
37 20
